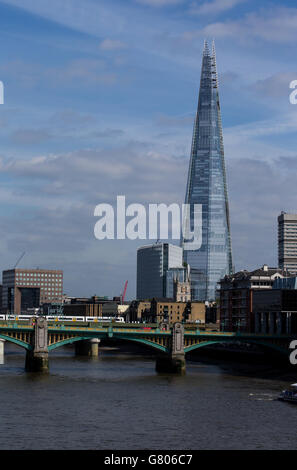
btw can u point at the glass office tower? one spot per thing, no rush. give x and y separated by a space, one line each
153 262
207 186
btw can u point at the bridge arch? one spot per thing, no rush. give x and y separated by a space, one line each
267 345
146 342
74 339
17 341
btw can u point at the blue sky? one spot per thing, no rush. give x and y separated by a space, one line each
100 98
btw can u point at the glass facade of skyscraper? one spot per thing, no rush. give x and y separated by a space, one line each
178 274
153 261
207 187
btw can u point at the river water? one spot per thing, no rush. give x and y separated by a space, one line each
118 401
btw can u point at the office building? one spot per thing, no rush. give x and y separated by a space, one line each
153 262
207 188
236 296
287 242
30 288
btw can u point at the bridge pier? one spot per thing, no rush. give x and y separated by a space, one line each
88 347
2 342
37 357
288 323
257 322
36 362
174 362
279 323
271 323
171 364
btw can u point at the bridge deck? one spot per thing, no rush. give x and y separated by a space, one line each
139 330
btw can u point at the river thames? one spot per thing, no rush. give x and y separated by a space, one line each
118 401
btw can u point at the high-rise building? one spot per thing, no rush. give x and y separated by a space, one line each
30 288
153 261
207 187
287 242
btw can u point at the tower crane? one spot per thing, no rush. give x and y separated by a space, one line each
124 293
23 254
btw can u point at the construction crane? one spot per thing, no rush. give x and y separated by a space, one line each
19 260
124 293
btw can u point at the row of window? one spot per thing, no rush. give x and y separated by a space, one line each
38 275
30 283
51 289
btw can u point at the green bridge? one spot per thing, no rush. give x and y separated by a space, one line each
172 342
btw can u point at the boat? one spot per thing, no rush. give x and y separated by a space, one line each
289 395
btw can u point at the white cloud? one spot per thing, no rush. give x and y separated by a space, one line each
159 3
111 45
30 136
278 25
91 71
89 173
175 121
74 72
284 124
214 7
275 86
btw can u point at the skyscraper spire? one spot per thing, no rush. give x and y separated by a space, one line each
205 48
213 49
214 63
207 187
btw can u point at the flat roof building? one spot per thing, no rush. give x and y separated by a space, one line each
30 288
287 242
167 310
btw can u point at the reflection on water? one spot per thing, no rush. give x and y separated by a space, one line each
119 402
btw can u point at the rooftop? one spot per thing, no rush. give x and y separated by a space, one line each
264 271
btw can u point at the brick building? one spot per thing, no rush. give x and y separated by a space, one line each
236 296
168 310
138 310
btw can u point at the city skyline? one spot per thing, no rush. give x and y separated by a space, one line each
103 104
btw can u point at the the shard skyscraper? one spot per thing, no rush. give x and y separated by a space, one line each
207 186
